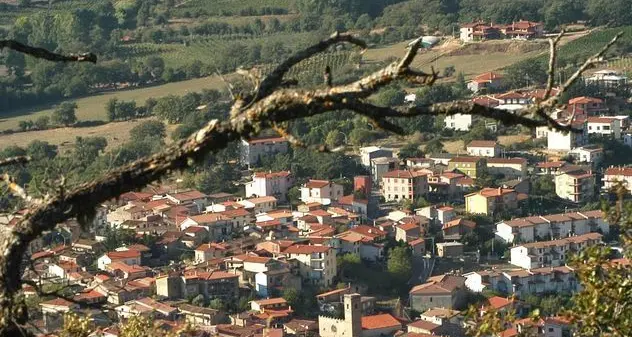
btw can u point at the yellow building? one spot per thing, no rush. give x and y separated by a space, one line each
492 200
470 166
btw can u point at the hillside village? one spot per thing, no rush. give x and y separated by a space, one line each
356 232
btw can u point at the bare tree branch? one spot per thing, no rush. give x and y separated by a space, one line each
45 54
552 56
15 160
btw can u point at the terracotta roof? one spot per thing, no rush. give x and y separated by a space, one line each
584 100
59 302
486 101
379 322
511 95
439 284
498 302
334 292
408 226
280 174
317 183
271 301
417 242
207 218
619 171
489 76
459 222
125 254
519 161
195 229
407 174
370 231
423 324
234 213
189 195
260 200
493 192
600 120
482 143
305 249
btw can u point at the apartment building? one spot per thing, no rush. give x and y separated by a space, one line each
492 200
552 226
522 282
404 184
616 175
583 107
317 264
551 253
575 184
270 184
321 191
510 168
470 166
252 151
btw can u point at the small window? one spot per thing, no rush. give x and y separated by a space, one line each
551 329
430 299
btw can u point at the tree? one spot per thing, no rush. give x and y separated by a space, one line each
399 266
410 150
390 97
25 125
609 12
65 114
334 139
169 109
434 146
110 109
41 123
217 304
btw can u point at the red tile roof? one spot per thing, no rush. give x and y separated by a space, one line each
584 100
317 183
271 301
268 175
189 195
368 231
408 226
487 77
423 324
59 302
551 164
498 302
619 171
459 222
125 254
494 192
482 143
380 321
407 174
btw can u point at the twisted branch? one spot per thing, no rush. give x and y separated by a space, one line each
15 160
270 105
42 53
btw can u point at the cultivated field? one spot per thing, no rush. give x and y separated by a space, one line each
93 107
116 134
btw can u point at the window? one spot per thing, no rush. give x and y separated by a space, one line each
551 329
431 299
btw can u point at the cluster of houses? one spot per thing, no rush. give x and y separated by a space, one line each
480 30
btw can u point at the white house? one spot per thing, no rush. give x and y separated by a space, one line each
604 125
260 204
561 141
551 253
587 154
483 148
129 257
321 191
552 226
458 122
266 184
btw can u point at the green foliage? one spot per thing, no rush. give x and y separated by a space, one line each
117 237
434 146
399 266
64 114
410 150
148 130
42 122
